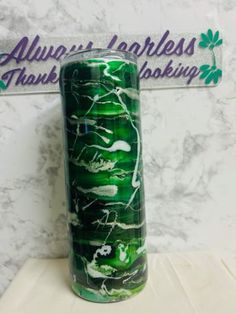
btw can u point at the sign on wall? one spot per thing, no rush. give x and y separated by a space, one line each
31 64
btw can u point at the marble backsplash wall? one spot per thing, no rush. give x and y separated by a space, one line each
189 136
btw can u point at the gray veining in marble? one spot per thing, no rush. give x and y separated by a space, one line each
189 136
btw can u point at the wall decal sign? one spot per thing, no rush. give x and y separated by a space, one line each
166 60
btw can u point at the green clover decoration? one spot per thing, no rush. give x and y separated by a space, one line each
3 85
210 72
210 40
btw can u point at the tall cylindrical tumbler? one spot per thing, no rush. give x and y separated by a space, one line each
103 167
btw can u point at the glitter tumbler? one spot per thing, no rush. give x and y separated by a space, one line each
103 174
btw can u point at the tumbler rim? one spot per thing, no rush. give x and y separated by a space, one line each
96 53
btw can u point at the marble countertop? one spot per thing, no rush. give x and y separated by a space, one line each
186 283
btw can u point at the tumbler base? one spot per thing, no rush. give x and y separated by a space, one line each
96 296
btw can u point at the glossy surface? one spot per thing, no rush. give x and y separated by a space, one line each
106 215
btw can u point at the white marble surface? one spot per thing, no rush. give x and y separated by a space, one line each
189 136
193 281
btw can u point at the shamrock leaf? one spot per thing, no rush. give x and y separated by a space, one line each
210 40
210 73
3 86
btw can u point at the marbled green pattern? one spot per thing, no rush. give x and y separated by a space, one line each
103 163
